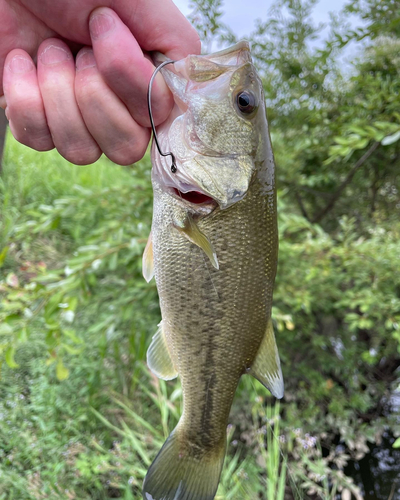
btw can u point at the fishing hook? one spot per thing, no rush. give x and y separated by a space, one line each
173 166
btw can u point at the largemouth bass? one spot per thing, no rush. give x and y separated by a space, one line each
213 251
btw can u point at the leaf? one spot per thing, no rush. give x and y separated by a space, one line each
5 329
12 280
9 357
3 255
61 371
290 325
72 303
72 335
23 335
343 141
390 139
361 144
71 350
52 309
358 130
113 263
396 444
50 360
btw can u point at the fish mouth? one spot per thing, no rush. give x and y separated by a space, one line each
195 197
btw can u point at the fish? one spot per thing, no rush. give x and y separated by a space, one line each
213 252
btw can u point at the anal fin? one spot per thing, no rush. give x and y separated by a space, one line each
158 357
266 367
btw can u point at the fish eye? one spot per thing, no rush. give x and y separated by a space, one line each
246 101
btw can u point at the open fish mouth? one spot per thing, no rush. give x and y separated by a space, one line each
195 197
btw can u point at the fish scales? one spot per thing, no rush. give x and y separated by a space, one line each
215 304
215 319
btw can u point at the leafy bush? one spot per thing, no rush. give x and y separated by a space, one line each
76 317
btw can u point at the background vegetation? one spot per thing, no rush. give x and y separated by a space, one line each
82 418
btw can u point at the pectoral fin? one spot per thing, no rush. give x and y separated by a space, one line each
158 357
192 232
266 367
148 261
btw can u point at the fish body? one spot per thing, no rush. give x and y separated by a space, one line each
213 251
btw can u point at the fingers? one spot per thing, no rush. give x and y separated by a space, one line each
76 113
105 115
125 69
159 25
56 77
25 108
19 29
156 24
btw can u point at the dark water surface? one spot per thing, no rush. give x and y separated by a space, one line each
378 473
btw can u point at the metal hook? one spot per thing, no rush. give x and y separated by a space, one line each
173 166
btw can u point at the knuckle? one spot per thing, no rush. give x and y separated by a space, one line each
80 155
128 152
160 114
89 91
34 136
114 69
43 143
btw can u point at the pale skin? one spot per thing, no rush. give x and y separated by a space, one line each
74 74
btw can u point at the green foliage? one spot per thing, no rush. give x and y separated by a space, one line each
102 261
380 17
324 121
76 320
206 18
76 317
344 302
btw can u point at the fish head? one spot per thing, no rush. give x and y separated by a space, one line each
216 130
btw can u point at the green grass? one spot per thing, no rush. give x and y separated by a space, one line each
30 178
82 417
93 435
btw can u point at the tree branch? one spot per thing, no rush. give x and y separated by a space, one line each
301 205
324 194
345 183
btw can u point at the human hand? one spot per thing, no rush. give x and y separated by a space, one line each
98 103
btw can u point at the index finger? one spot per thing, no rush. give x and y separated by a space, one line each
158 25
125 69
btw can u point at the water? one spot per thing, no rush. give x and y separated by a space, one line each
378 473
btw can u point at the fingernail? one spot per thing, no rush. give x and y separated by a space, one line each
20 64
100 25
85 60
53 54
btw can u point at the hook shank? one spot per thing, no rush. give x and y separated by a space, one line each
173 166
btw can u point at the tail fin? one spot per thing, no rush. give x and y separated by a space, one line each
180 473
